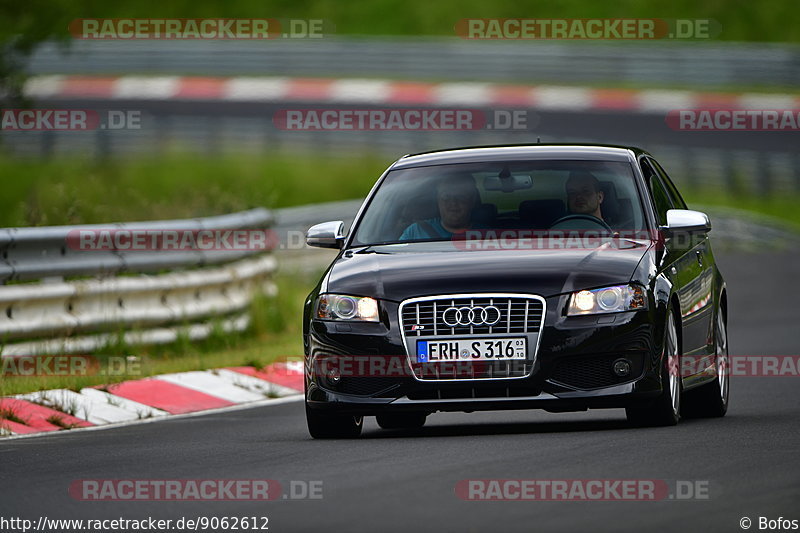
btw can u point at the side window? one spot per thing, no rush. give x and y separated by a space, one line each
677 199
661 200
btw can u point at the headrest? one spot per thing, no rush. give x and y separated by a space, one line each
485 214
540 214
610 206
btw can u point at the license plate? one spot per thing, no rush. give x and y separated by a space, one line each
505 349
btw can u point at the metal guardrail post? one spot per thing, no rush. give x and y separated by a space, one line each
763 174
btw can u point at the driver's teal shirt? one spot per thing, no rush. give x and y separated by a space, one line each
416 231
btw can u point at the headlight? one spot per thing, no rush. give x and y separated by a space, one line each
607 300
342 307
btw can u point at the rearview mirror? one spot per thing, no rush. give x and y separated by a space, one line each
511 183
326 235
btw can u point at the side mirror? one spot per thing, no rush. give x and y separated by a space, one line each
687 221
326 235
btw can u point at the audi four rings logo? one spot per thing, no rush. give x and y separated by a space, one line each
471 316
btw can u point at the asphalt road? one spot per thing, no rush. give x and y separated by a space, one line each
404 480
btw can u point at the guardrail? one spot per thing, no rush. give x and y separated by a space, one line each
35 253
121 301
696 64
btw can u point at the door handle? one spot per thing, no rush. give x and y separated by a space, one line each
699 257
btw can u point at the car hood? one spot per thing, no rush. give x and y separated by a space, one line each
398 272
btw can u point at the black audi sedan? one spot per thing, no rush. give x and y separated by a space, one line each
559 277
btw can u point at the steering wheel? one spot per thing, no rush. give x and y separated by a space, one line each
588 218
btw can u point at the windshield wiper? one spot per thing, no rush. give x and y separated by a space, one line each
370 250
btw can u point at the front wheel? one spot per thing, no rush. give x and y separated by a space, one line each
322 425
666 409
711 400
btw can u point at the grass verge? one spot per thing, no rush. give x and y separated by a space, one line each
780 207
81 191
768 20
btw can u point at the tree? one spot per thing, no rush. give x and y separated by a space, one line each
24 25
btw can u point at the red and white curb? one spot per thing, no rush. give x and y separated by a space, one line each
392 92
149 398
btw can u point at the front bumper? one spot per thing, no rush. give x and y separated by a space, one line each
610 397
572 369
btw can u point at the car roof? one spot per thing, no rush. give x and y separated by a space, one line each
519 152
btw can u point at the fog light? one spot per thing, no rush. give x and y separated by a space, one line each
334 376
622 367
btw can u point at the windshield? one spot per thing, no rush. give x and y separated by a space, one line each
441 202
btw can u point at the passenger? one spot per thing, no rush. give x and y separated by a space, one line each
456 197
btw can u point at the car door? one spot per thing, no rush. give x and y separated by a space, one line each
686 267
702 249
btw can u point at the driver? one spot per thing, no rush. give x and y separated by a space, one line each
584 195
456 197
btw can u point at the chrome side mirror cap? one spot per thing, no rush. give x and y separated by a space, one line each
326 235
687 221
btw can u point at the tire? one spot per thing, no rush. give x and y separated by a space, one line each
711 400
666 409
322 425
402 420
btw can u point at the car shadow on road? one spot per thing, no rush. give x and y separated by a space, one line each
504 428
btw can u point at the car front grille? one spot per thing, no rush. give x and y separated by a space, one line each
517 315
509 315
